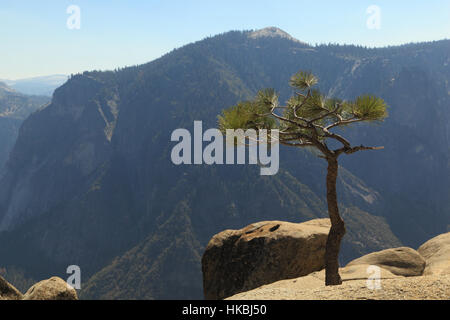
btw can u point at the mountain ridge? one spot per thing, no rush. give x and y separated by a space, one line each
39 85
92 170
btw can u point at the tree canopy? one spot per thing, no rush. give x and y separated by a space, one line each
308 116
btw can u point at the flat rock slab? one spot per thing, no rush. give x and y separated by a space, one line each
317 279
397 288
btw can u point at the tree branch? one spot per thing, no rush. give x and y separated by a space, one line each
296 108
300 145
327 114
344 122
355 149
337 137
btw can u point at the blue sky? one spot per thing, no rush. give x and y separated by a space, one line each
35 39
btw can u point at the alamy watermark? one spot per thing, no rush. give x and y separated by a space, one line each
74 281
258 143
373 22
74 20
374 280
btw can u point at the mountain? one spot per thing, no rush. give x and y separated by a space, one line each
90 181
42 86
14 108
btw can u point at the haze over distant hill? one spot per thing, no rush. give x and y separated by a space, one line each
90 181
44 85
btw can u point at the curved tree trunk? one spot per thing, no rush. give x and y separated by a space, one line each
337 230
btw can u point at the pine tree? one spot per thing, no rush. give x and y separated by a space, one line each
307 120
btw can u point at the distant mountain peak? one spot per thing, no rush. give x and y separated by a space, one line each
272 32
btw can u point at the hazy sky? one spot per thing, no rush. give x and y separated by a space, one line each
35 39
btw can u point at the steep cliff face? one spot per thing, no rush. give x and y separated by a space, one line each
58 149
9 130
14 108
90 177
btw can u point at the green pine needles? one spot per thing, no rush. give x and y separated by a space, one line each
307 117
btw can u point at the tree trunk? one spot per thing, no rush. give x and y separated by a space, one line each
337 230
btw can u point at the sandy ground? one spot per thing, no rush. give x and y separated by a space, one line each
312 288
